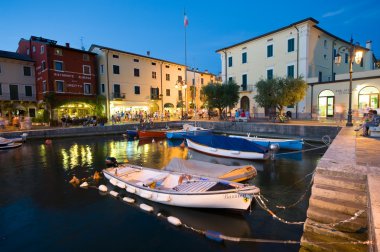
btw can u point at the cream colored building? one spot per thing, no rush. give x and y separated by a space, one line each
195 81
134 83
17 85
299 49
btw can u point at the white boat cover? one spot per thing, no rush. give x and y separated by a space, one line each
200 168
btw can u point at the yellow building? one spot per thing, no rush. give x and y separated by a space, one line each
298 49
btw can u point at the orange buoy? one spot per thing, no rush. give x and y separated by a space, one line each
48 141
74 181
182 145
96 176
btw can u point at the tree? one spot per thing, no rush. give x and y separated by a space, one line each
220 96
280 92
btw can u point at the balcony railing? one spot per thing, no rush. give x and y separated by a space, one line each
246 88
118 95
155 97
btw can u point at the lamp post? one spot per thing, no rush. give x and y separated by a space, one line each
180 85
194 99
354 55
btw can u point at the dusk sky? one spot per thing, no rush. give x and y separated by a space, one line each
157 26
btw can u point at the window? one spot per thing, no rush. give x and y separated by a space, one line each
59 86
116 69
291 71
34 49
230 79
153 63
179 78
103 87
270 51
13 92
244 57
179 69
27 71
28 91
229 61
168 77
136 72
244 82
346 58
115 56
86 69
58 65
44 86
325 43
319 76
32 112
137 89
42 49
86 57
87 88
1 90
202 81
291 45
101 69
154 93
58 51
167 92
361 62
167 66
135 60
43 65
27 51
270 74
154 75
193 80
334 52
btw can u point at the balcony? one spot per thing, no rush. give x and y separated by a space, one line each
155 97
118 96
246 88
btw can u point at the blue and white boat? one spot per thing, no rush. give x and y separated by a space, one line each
225 146
288 144
188 130
132 134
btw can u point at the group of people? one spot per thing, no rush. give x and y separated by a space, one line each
370 119
242 113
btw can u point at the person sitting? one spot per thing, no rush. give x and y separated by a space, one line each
366 118
372 123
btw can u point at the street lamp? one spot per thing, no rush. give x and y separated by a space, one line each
180 85
194 99
354 55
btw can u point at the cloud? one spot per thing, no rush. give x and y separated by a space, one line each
333 13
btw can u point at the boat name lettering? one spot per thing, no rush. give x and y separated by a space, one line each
232 196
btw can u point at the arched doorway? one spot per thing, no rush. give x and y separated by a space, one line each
244 103
326 101
368 98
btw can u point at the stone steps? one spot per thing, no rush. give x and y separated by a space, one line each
324 216
337 174
342 182
338 193
337 205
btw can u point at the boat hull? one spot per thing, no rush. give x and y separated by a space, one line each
225 153
287 144
181 134
239 199
151 134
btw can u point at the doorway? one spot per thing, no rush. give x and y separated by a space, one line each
326 103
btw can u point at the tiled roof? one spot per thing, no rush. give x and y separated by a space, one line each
13 55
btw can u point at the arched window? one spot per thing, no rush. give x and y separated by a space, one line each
368 98
244 103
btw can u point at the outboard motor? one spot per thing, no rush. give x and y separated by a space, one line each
111 162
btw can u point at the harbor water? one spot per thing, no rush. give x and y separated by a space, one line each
41 211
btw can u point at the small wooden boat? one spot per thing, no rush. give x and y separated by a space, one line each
188 130
195 167
288 144
152 133
180 189
227 147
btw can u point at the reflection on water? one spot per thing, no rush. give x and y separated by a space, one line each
40 207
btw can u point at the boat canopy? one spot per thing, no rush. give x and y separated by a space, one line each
228 143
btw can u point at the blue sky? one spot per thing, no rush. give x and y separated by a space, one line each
157 26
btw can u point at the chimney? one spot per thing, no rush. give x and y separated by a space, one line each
368 44
68 45
206 71
148 53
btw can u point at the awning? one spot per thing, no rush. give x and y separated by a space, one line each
169 105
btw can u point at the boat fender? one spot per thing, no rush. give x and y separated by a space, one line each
175 221
103 188
131 189
213 235
147 208
274 146
84 184
129 200
113 181
113 193
120 185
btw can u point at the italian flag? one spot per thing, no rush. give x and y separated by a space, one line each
185 21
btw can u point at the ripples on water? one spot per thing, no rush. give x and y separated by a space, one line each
40 210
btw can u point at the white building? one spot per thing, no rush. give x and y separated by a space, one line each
138 83
299 49
17 85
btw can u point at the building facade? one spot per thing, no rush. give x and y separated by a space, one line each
134 84
17 85
64 75
299 49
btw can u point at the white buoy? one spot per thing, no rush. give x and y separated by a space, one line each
84 184
147 208
113 193
129 200
175 221
153 140
113 181
103 188
121 185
